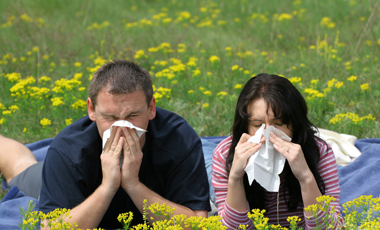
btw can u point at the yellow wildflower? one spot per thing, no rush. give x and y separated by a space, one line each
327 22
44 122
284 16
207 92
339 84
68 121
238 86
235 67
352 78
364 87
79 104
214 59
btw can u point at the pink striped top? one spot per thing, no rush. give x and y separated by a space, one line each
232 218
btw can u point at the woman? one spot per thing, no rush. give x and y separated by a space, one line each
310 169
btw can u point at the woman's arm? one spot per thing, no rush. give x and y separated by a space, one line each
229 190
309 187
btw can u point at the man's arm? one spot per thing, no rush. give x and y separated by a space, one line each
135 189
90 212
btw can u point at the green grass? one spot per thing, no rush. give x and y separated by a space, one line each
290 38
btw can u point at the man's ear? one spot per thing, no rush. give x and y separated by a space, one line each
90 109
152 109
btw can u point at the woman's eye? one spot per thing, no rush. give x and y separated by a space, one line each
278 124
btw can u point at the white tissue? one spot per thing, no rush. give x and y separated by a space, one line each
266 164
122 123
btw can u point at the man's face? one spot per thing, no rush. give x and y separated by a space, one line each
129 106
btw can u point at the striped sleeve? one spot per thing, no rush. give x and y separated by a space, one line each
328 170
231 218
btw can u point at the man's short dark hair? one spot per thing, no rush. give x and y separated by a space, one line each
121 76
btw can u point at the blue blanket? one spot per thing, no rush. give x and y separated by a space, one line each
361 177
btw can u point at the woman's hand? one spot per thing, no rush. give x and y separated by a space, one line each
243 151
294 154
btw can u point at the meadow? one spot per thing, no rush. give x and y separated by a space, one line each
199 53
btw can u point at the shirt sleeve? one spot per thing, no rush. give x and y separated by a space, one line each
59 183
231 218
328 170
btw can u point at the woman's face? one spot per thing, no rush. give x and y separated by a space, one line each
258 110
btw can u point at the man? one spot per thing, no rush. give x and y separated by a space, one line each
164 165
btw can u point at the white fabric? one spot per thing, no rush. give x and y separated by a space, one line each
122 123
266 164
343 145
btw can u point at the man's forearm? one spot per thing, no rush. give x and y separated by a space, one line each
90 212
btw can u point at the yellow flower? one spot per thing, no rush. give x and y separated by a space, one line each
295 79
235 67
339 84
364 87
99 61
214 59
139 54
312 47
190 91
44 122
284 16
44 78
207 92
77 64
24 130
56 101
327 22
13 76
196 72
1 121
80 104
69 121
314 81
352 78
238 86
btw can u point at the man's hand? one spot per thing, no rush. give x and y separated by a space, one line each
110 160
132 159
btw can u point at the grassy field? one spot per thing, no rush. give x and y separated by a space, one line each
199 53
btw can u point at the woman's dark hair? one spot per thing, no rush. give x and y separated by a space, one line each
289 105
